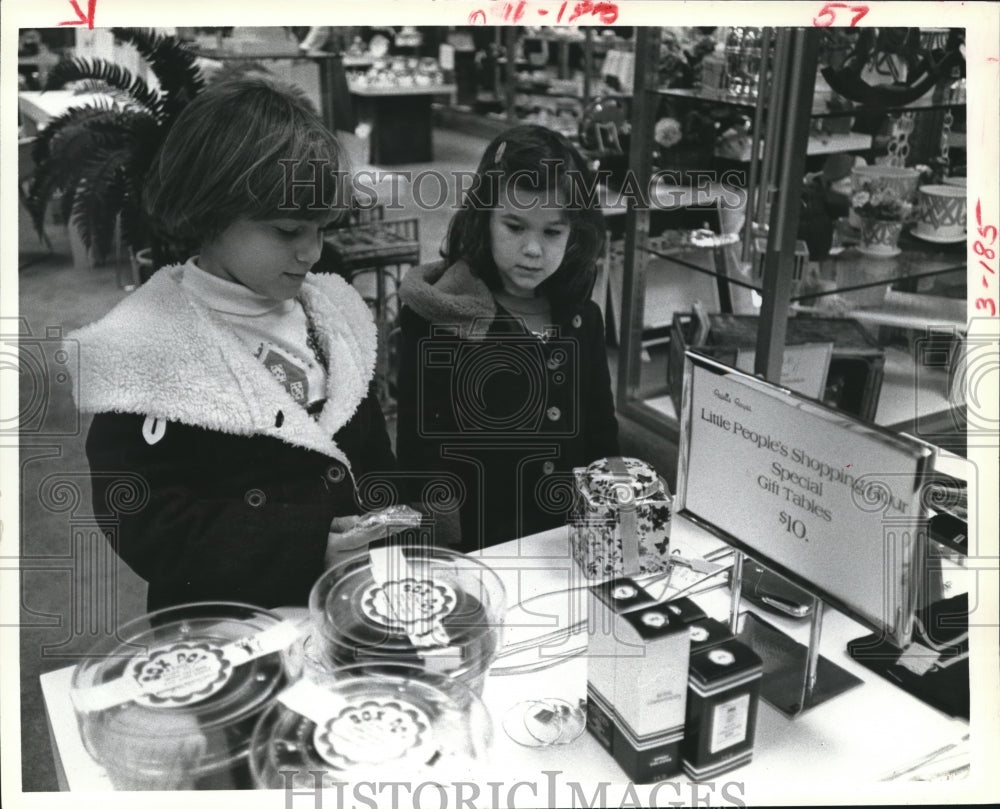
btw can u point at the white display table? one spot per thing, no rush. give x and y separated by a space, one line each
865 735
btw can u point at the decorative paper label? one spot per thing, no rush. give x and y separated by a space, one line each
698 634
654 619
729 723
375 731
410 604
722 657
402 599
181 674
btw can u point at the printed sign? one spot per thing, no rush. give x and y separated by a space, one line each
827 500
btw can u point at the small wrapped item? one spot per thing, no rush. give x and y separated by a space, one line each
417 605
620 523
377 525
364 722
170 701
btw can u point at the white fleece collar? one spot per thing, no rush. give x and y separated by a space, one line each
450 296
161 353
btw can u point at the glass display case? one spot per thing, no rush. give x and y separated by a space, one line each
749 258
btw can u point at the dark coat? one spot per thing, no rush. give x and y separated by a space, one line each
209 480
486 407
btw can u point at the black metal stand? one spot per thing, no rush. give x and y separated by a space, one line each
795 678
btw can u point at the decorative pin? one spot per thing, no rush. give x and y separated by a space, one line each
499 153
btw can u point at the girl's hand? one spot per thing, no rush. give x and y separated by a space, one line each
349 536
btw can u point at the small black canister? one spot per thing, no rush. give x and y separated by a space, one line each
721 715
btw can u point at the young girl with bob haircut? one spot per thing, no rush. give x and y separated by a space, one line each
503 381
233 415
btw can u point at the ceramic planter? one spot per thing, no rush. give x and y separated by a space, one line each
879 238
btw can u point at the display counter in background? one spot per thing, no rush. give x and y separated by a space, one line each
400 120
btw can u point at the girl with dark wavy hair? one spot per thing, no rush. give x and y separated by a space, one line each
503 382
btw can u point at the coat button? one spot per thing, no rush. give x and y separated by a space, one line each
553 414
335 474
577 321
255 498
548 468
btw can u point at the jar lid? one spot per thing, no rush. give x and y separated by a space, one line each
723 665
622 480
186 681
410 604
360 720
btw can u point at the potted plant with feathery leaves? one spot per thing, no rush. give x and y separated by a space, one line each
97 155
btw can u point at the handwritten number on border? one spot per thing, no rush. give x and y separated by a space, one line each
827 15
983 246
606 13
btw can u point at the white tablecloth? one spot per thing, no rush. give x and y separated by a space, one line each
847 744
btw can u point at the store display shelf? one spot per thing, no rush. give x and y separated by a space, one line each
577 36
853 271
527 90
821 101
677 256
906 310
666 195
850 271
931 101
714 96
399 90
837 144
898 398
819 144
349 62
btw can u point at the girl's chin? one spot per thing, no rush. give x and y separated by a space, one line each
523 285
